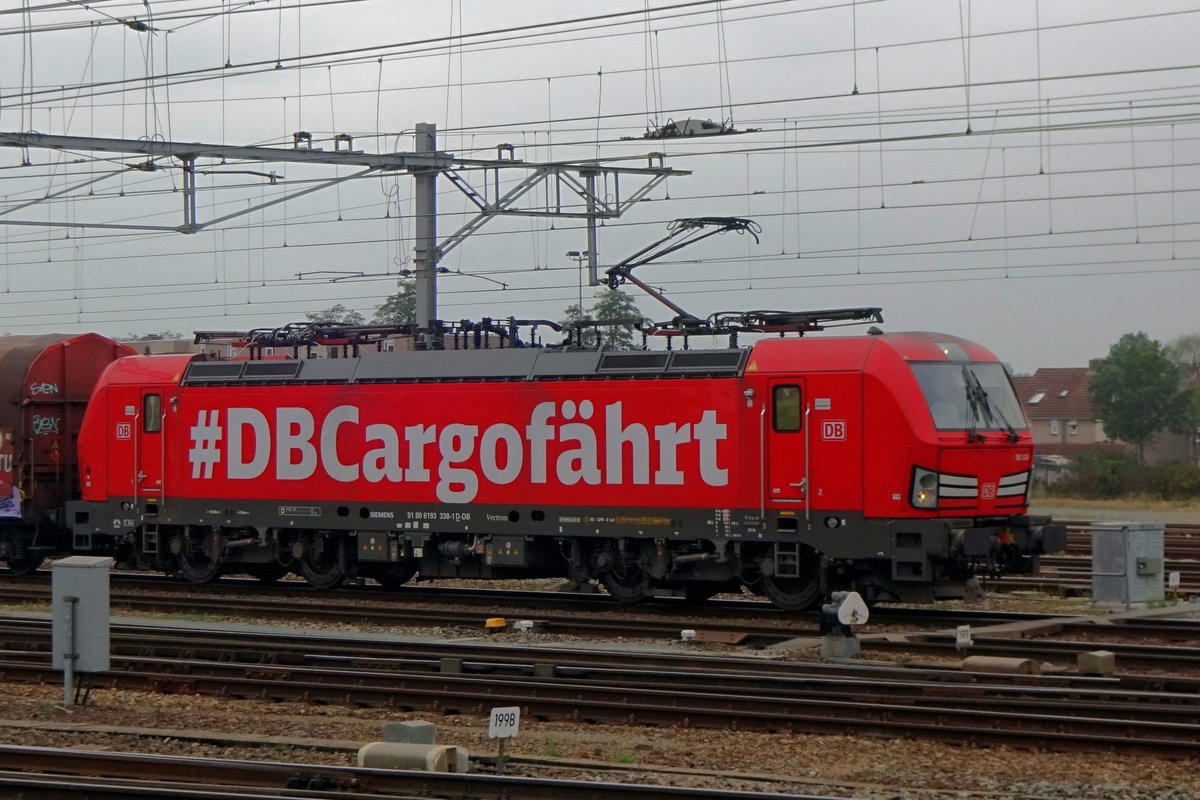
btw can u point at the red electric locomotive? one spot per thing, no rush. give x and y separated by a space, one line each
891 463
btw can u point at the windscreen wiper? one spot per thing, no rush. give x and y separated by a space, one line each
977 394
973 434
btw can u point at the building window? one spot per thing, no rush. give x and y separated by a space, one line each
1054 427
1072 427
1064 393
1037 398
389 346
268 351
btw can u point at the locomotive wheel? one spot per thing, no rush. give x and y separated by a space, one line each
791 594
195 556
396 576
633 586
25 563
320 565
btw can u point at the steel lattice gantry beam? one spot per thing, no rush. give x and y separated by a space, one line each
579 179
188 153
571 188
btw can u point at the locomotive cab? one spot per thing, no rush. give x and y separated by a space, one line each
962 506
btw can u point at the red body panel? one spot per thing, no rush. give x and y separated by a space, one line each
684 443
452 443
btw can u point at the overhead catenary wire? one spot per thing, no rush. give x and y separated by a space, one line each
570 130
812 255
1114 122
951 203
314 220
365 55
255 308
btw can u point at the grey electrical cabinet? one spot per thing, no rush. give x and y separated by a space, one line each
1127 562
79 588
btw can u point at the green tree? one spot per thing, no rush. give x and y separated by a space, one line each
337 314
615 307
399 308
1135 391
573 315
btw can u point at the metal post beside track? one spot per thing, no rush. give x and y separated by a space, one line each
71 656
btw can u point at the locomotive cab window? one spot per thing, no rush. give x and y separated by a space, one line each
971 395
152 413
785 408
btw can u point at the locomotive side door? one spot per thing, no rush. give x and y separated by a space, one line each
785 422
148 441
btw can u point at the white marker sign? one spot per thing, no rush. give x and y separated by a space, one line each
962 637
504 722
852 611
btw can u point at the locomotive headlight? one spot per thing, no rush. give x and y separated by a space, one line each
924 488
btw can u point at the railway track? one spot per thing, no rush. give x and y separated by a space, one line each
1180 540
36 772
748 622
520 658
891 628
450 594
608 686
1070 574
365 610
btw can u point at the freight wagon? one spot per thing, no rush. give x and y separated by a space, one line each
45 382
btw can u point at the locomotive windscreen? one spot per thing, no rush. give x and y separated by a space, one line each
961 396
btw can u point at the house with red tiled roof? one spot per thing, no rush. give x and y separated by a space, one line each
1058 406
1059 409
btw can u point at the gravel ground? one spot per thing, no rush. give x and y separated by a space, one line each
844 766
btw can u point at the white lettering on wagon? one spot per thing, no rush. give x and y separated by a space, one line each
592 448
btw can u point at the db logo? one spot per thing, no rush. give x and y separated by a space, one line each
989 491
833 430
124 430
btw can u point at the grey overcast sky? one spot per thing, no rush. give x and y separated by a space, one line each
1024 173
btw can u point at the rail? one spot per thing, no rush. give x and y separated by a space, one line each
176 776
1060 712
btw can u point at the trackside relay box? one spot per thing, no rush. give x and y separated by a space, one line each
1127 562
81 625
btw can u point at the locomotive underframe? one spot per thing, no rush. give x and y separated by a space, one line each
792 559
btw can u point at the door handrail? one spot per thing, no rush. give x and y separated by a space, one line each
762 465
807 479
137 465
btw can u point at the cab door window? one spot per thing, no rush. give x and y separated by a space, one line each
152 413
785 408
